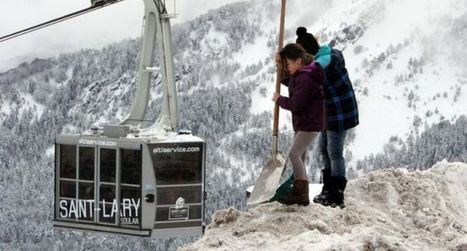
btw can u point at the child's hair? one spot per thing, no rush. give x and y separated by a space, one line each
294 52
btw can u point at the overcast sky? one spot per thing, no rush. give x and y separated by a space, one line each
93 30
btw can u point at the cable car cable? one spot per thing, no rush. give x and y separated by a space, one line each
55 21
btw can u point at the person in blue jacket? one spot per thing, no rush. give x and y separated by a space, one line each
341 115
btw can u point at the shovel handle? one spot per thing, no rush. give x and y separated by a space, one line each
275 128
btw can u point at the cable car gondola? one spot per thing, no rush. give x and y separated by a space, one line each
125 178
131 180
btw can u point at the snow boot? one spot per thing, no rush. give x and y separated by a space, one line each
298 195
320 198
337 192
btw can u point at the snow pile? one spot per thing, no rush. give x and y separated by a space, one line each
390 209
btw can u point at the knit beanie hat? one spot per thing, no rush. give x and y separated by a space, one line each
307 41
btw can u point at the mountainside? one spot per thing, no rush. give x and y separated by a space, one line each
406 61
402 77
390 209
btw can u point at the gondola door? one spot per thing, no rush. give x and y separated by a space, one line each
119 187
99 185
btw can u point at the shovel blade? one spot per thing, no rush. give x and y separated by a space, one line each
284 189
267 182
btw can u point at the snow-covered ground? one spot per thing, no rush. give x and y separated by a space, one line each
391 209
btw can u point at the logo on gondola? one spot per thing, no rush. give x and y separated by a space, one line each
97 142
177 149
127 210
180 203
180 211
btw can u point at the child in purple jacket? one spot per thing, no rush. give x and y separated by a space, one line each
306 102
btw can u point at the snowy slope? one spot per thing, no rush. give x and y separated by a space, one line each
386 210
408 72
403 58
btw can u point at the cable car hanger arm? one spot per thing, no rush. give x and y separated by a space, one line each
57 20
157 31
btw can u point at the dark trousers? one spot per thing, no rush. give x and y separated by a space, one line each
331 146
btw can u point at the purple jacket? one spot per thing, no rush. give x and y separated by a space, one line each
306 99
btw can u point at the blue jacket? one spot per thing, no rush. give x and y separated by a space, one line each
341 104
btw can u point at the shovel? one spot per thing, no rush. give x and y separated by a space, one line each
269 179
